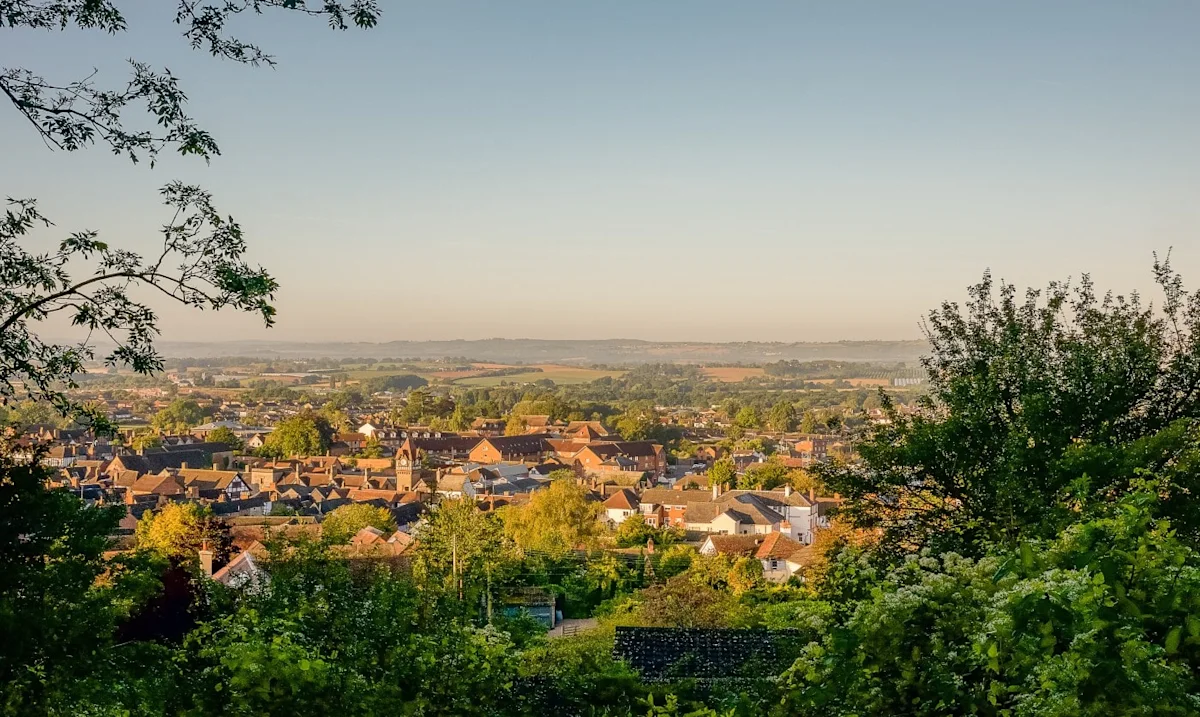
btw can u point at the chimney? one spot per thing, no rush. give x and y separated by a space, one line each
716 491
206 561
183 466
787 490
812 494
837 496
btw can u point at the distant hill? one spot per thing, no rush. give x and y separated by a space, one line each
604 351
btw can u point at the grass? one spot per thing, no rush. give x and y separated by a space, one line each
557 374
732 374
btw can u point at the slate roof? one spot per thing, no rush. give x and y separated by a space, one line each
623 448
156 462
768 497
521 445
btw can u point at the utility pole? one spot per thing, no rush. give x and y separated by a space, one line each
489 593
454 563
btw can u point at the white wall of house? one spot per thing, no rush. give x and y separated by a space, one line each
778 570
725 524
616 516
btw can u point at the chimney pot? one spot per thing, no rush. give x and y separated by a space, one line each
206 562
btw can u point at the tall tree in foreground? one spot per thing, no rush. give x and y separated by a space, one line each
92 283
57 617
1101 620
1035 405
60 600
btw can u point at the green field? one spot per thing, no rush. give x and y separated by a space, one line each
557 374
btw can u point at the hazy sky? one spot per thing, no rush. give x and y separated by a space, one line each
677 169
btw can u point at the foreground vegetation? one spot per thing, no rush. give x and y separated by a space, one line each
1026 544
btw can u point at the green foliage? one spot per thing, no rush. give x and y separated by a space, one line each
683 601
747 417
459 548
1101 620
146 440
91 281
675 560
58 618
265 390
178 417
305 434
576 676
558 519
1034 405
317 640
179 530
224 434
638 423
341 524
372 448
635 532
765 476
782 417
722 472
394 384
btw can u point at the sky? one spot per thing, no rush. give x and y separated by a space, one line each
669 170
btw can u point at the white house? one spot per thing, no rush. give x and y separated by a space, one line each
620 505
781 557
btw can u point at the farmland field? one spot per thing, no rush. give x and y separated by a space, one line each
732 374
557 374
856 382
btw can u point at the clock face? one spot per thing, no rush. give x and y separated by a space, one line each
403 461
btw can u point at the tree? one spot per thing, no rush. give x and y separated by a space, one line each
810 422
555 520
224 434
764 476
200 263
722 472
1100 620
634 532
337 418
57 616
1033 405
675 560
747 417
180 415
459 547
341 524
515 426
179 530
684 602
305 434
638 423
372 448
205 248
746 575
782 417
146 440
